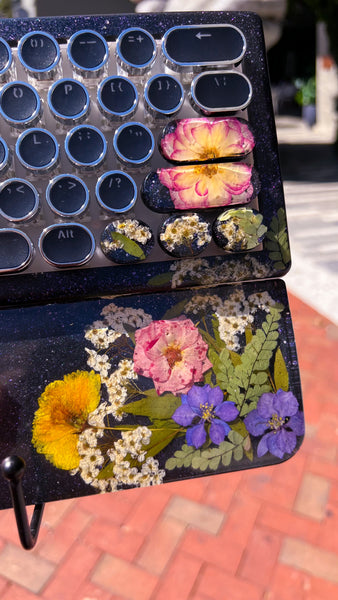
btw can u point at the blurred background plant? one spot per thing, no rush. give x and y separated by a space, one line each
5 8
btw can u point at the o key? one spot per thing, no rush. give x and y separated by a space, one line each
67 244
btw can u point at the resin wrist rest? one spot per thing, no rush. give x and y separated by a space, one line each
108 394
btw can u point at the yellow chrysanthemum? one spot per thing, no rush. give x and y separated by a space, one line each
63 410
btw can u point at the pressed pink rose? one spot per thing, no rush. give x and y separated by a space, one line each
172 353
202 139
208 186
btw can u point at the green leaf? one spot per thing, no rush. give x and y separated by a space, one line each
153 405
160 280
176 310
281 376
129 246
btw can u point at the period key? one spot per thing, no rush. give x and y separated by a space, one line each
191 46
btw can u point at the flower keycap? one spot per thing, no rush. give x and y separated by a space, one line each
204 139
199 186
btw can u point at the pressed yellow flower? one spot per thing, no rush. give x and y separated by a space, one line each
63 410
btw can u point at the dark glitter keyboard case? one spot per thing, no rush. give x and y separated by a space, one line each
139 173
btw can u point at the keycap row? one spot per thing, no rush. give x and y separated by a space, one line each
195 140
88 51
163 191
117 98
130 240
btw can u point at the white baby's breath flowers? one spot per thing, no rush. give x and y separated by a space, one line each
185 230
101 337
133 230
98 362
118 316
203 303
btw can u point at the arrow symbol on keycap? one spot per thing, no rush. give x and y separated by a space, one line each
200 35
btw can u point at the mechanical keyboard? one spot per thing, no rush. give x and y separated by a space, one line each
129 143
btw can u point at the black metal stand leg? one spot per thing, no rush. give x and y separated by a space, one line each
13 468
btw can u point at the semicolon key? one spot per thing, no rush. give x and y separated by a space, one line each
203 139
191 46
199 186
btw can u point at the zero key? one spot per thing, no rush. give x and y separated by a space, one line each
188 46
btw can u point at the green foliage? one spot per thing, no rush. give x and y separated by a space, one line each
153 406
306 93
210 458
247 380
277 241
6 8
128 245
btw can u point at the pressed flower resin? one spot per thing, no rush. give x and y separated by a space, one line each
204 139
186 235
127 241
239 229
199 186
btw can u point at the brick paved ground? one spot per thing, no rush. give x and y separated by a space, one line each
267 534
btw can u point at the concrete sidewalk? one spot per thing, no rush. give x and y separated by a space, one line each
267 534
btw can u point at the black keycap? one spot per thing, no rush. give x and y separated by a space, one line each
88 51
68 100
67 244
116 191
39 52
19 200
133 143
85 146
4 156
221 91
5 59
198 45
15 250
67 195
117 97
164 94
135 48
37 149
20 104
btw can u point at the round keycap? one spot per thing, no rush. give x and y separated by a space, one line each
20 104
117 97
116 191
67 244
135 50
67 195
221 91
39 53
164 95
68 100
85 146
5 59
19 200
37 150
4 156
16 250
133 143
127 241
88 52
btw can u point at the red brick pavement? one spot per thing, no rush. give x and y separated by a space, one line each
265 534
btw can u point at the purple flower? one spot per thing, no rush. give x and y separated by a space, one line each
203 407
278 419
